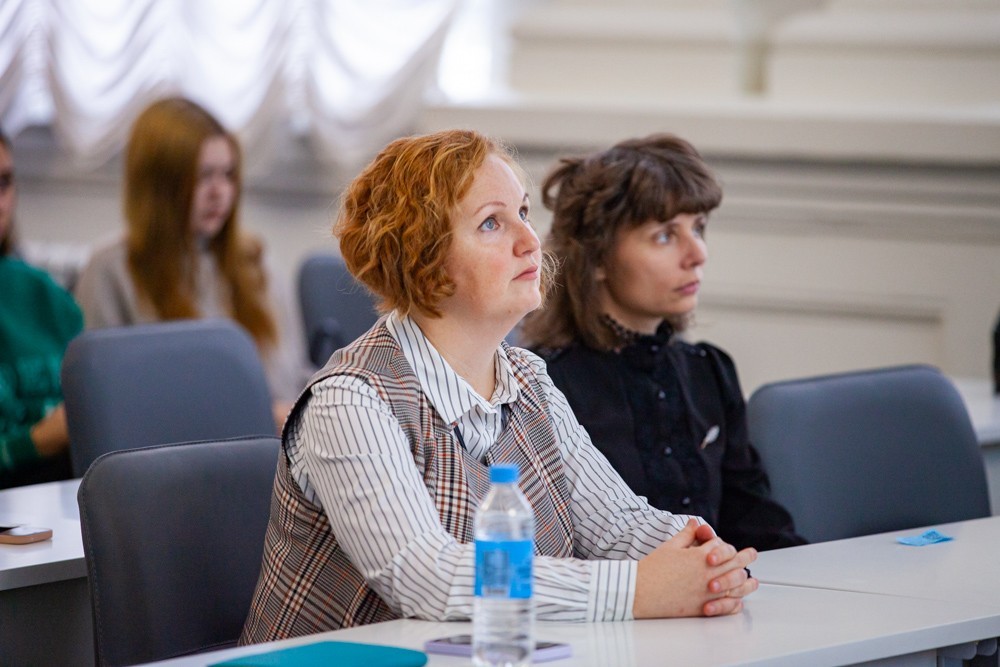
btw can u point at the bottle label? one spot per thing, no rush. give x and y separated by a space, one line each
503 569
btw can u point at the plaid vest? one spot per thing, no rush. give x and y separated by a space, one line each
308 584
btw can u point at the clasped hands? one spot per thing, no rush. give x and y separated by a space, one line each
694 573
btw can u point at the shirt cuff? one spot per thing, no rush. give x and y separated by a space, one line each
612 590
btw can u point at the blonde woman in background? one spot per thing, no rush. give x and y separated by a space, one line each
184 254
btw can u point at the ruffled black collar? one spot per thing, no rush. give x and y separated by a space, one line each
639 349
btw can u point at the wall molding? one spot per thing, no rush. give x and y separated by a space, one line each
889 201
908 309
737 128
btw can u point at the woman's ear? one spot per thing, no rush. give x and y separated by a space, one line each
600 274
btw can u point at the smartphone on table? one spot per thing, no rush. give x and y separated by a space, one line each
462 645
24 534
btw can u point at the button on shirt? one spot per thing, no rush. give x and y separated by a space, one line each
350 455
677 475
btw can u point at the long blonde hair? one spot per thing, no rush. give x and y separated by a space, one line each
161 174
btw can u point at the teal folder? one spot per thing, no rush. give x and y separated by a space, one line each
327 654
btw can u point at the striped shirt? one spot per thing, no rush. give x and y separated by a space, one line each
351 457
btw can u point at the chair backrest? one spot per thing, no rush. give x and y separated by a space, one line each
869 451
336 308
173 538
153 384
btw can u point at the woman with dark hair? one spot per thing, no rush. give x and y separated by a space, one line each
185 254
37 320
386 455
628 232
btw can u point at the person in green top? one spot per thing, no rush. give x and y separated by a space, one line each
37 320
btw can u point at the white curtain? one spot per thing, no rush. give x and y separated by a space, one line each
348 75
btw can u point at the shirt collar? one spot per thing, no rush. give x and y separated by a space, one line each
627 337
640 350
447 391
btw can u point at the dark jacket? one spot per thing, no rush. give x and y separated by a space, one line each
651 409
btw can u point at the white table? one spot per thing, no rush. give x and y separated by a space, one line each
780 626
45 616
864 600
964 570
984 411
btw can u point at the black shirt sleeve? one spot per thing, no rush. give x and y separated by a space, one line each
748 516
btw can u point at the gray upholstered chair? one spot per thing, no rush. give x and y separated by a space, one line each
173 537
336 308
869 451
154 384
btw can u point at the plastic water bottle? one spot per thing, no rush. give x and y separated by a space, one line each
503 615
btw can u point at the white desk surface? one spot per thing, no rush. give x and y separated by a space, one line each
964 570
52 505
983 406
779 626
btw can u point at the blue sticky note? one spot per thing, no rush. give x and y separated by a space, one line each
930 537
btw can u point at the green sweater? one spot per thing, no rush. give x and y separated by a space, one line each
37 320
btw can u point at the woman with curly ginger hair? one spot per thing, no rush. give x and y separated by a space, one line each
386 455
628 229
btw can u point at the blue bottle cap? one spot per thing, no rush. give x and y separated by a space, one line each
504 473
